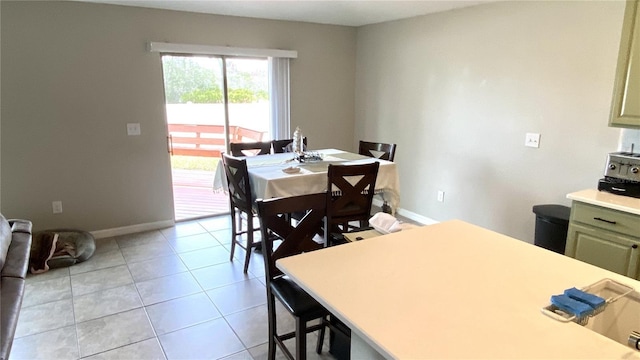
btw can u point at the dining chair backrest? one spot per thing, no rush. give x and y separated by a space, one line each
377 150
237 174
240 206
292 240
250 148
295 239
350 190
283 146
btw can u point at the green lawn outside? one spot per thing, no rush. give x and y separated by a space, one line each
194 162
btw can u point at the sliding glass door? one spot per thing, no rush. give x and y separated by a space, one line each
200 91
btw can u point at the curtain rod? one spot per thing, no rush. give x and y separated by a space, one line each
163 47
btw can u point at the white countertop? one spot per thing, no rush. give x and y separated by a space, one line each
608 200
453 290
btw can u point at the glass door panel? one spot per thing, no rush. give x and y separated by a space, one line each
248 94
195 120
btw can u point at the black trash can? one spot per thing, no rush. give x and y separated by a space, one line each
552 223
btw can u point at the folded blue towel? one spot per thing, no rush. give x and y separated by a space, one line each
570 306
592 300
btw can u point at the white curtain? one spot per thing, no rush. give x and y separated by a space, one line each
279 93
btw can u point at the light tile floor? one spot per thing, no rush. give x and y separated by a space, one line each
165 294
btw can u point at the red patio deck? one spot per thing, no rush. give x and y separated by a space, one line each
193 195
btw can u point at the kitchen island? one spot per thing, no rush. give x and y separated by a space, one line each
452 290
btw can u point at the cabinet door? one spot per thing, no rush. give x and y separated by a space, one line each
604 249
625 108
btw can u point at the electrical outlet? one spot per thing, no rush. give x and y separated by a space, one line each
57 207
133 129
440 196
532 140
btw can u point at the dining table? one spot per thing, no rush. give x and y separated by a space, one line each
281 175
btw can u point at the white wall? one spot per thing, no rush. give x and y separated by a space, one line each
629 140
74 74
458 91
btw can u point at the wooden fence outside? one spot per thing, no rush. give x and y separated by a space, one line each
206 140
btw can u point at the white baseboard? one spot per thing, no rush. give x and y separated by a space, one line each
417 217
99 234
409 214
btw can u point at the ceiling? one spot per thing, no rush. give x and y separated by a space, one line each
344 12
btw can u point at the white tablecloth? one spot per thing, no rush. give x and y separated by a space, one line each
269 181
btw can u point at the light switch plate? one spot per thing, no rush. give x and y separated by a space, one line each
56 206
133 129
532 140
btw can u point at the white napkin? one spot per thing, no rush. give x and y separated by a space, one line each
386 223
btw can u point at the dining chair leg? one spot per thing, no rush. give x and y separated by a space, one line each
271 310
324 320
301 339
249 245
326 232
234 233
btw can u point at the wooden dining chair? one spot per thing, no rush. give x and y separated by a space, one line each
349 196
292 240
282 146
250 148
377 150
241 206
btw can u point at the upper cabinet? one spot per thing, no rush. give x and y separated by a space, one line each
625 108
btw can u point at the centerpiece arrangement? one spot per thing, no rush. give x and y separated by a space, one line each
309 156
298 149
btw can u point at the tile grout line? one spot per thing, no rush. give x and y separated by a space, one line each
73 311
251 275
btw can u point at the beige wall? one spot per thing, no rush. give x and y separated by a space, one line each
73 75
458 91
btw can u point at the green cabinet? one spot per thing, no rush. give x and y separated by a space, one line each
606 238
604 249
625 107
